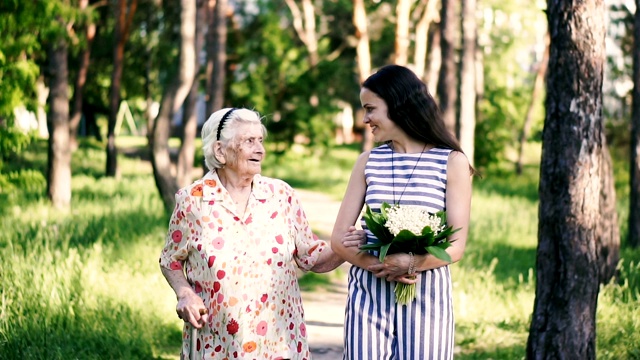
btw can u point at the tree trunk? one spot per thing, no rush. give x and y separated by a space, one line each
172 100
538 87
363 57
216 54
468 79
608 233
402 42
634 168
447 84
434 58
123 23
563 324
429 13
81 80
59 159
184 167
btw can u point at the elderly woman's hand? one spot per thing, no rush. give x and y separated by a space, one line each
394 268
191 309
354 237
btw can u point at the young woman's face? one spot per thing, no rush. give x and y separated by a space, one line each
246 151
376 115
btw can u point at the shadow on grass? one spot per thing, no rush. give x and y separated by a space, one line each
110 332
119 229
506 262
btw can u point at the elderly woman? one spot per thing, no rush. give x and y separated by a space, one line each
237 236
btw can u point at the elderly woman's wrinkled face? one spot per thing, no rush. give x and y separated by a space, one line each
246 151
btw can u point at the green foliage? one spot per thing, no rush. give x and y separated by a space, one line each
72 280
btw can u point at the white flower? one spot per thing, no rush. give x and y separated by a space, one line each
411 218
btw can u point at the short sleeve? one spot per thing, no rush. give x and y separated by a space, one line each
175 250
308 246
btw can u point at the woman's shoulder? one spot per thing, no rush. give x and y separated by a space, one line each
273 185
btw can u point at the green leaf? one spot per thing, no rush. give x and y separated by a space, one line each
383 251
375 222
439 253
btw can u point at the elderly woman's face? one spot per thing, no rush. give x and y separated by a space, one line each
246 151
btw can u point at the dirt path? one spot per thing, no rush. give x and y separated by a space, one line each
324 310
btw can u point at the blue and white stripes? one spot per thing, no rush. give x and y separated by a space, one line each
376 328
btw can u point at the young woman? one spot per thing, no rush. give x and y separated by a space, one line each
421 164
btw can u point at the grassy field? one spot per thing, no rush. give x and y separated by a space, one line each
86 284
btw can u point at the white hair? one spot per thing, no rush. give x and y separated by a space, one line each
228 131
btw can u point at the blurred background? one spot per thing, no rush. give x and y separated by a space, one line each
101 104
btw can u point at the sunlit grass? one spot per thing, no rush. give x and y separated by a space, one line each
86 285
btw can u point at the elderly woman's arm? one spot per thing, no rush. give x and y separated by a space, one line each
190 307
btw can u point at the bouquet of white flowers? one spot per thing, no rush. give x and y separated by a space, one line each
408 229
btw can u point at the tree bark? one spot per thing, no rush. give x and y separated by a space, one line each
608 232
173 98
59 157
634 163
363 58
434 57
538 87
468 79
572 173
124 18
429 13
216 54
184 167
447 82
402 42
81 80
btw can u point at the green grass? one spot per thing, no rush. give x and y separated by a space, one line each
86 284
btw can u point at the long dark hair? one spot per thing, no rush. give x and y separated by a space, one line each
411 106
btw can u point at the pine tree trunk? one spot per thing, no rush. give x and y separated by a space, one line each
468 79
59 159
563 324
447 80
216 56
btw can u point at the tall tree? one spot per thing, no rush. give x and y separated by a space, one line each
216 53
59 159
634 170
174 96
88 27
447 81
184 166
363 56
571 180
538 88
468 78
428 15
124 16
402 42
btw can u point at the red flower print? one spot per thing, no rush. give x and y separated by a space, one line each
218 243
291 326
232 327
196 190
220 274
280 263
274 250
303 329
176 236
299 346
313 248
261 329
176 265
264 297
198 287
212 259
250 346
273 216
279 239
269 261
216 286
210 182
218 348
235 218
249 220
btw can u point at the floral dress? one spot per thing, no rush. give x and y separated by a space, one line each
243 268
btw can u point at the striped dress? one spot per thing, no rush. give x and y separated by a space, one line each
376 328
